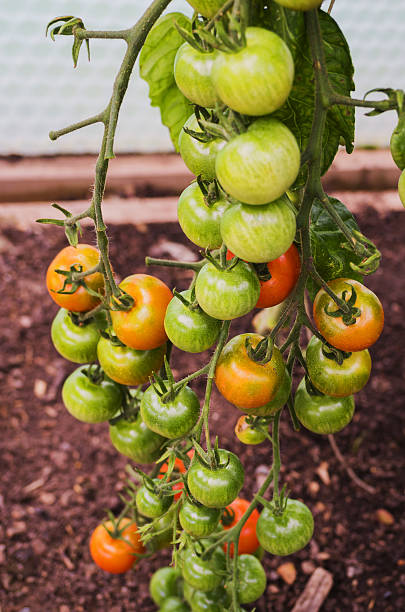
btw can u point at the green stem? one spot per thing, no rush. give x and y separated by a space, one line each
276 455
170 263
99 118
187 379
82 34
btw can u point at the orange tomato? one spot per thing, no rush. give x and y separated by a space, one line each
115 555
248 542
142 327
87 257
180 467
366 328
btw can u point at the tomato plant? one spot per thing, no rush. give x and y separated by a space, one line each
114 547
257 98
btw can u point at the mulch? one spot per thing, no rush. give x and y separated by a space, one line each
58 475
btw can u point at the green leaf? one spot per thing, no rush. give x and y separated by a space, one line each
156 67
297 112
330 258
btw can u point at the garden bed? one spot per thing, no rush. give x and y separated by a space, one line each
59 475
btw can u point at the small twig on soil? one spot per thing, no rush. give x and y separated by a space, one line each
315 592
352 475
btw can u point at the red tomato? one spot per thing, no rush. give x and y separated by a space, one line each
248 542
284 271
142 327
113 554
83 257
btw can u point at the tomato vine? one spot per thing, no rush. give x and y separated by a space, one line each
321 227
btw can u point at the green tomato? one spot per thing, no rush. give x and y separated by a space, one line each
77 343
227 294
333 379
199 157
216 488
198 221
397 143
251 579
135 440
150 504
202 601
247 434
165 583
174 604
259 234
300 5
258 166
89 401
204 574
174 419
401 187
192 73
288 532
129 366
277 402
322 414
257 79
198 521
207 8
190 329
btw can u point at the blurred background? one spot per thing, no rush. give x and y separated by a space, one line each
58 476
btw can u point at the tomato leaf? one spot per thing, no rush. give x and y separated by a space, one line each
156 67
327 240
297 112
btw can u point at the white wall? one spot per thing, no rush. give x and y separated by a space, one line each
40 90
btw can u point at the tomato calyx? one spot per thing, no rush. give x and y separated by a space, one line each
94 373
334 354
210 459
219 260
279 502
210 190
167 389
350 314
122 301
262 352
262 271
75 278
191 303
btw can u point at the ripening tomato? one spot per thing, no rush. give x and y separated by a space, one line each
113 554
300 5
259 165
278 401
247 434
83 257
333 379
198 156
248 542
192 73
366 328
257 79
285 533
284 271
142 327
242 381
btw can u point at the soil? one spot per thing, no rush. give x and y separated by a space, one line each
59 475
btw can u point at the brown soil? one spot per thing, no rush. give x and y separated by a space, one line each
59 476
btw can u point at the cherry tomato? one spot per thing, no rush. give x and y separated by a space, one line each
113 554
77 343
259 233
150 504
258 78
83 257
198 521
242 381
286 533
165 583
258 166
248 434
128 366
216 488
207 8
136 441
300 5
88 401
216 600
284 271
190 328
198 156
142 327
174 604
204 574
251 579
333 379
366 328
401 187
248 542
174 419
227 294
397 142
192 73
200 222
322 414
279 400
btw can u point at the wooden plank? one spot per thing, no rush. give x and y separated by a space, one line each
315 592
